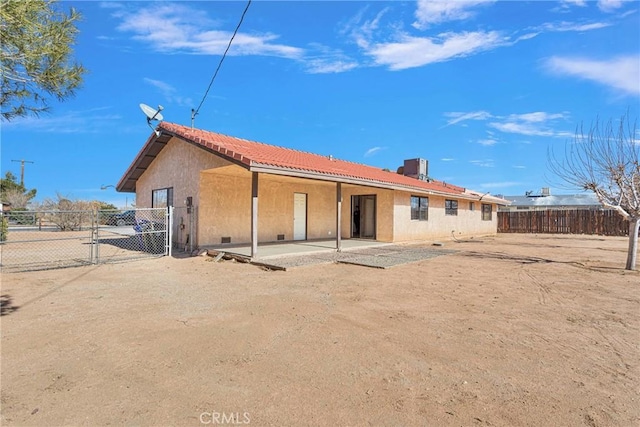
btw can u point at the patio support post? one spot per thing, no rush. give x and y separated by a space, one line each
338 216
254 214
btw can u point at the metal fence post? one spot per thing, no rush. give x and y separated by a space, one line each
94 238
97 241
190 214
169 231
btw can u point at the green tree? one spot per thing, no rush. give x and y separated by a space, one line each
4 228
104 206
14 193
36 40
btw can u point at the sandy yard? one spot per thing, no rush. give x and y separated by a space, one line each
513 330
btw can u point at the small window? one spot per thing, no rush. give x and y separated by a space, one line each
451 207
486 212
162 198
419 208
472 206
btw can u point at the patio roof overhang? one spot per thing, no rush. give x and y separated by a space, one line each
298 173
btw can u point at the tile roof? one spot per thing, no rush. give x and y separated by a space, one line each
259 155
254 153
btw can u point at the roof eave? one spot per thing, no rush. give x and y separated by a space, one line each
300 173
155 143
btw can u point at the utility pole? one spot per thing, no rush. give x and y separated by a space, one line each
22 162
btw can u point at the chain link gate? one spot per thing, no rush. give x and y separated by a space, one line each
39 240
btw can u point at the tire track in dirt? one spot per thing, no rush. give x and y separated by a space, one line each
545 295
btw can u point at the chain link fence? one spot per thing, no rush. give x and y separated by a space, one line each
37 240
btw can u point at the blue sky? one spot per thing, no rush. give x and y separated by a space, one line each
481 89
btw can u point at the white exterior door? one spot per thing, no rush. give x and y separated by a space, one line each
368 217
299 216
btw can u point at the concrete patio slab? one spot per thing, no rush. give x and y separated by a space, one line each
285 256
303 247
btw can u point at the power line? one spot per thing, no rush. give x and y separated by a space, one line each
195 112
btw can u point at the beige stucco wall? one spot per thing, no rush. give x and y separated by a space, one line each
384 210
225 207
467 223
221 192
178 165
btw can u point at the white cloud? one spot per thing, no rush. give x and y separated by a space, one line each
363 33
537 117
560 27
93 120
371 151
487 163
580 3
518 167
169 92
447 159
410 52
565 26
164 87
328 60
323 66
438 11
620 73
532 124
457 117
487 142
537 123
611 5
175 28
396 48
526 36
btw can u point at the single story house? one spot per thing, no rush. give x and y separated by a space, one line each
249 192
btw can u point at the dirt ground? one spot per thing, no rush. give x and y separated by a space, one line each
510 330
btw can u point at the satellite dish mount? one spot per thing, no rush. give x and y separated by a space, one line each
152 114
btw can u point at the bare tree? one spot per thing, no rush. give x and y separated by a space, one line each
17 199
606 160
14 193
66 214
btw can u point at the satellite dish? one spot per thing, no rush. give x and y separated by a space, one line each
152 114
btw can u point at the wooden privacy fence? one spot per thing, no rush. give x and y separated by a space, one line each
573 221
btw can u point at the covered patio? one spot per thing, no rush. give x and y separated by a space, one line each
293 248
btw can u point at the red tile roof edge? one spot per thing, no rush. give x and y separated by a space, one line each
191 134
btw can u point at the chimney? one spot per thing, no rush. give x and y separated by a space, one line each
545 192
416 168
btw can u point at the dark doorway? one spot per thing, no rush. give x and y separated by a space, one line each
363 217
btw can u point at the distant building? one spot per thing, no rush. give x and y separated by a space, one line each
545 201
